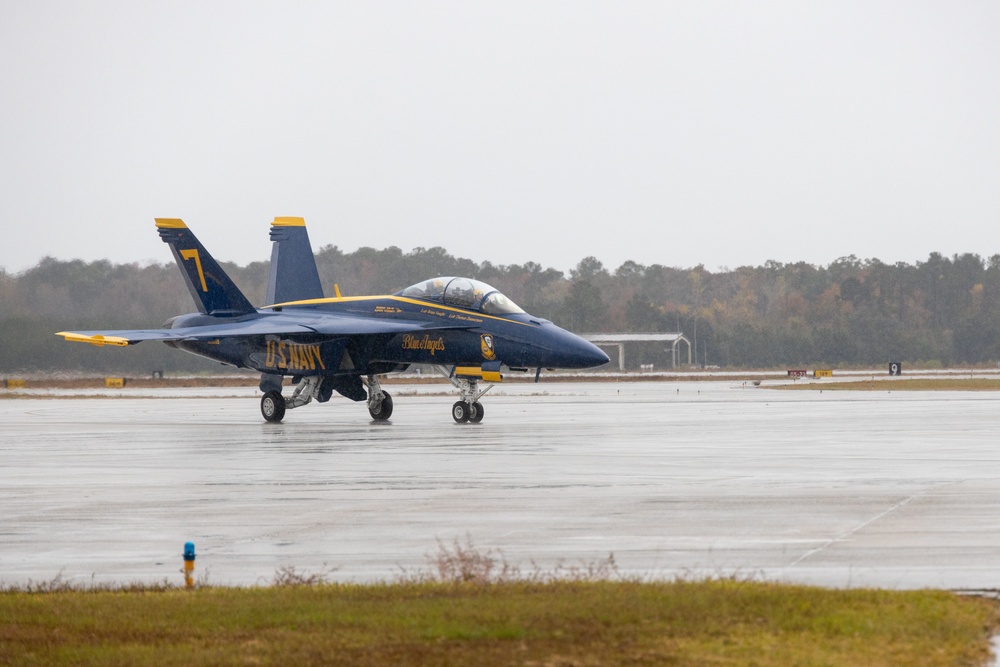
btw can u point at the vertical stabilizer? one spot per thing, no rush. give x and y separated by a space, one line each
213 290
293 274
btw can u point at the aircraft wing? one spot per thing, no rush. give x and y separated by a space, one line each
278 325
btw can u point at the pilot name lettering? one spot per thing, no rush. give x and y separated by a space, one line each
293 356
464 318
411 342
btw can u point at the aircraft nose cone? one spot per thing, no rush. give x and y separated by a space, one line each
591 355
580 353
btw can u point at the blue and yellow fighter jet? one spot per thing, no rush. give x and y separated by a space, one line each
467 330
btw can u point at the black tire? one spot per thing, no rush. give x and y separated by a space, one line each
272 406
384 409
460 412
477 413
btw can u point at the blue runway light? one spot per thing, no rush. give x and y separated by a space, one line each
188 565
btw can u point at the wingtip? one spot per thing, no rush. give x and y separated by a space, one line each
97 339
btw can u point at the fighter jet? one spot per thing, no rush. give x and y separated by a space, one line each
463 328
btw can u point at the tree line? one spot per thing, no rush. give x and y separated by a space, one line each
942 311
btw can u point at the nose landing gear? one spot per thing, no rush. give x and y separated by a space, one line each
463 412
468 409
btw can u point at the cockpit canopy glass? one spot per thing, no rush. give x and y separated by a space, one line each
463 293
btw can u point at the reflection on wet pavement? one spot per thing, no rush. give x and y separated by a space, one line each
896 489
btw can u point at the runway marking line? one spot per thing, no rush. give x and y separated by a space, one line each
856 529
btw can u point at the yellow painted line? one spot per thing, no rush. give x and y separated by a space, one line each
402 299
284 221
170 223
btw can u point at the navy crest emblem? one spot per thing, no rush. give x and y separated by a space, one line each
486 343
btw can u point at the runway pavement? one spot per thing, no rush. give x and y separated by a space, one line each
898 490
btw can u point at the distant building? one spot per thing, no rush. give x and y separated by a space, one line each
676 340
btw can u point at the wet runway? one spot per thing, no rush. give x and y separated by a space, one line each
890 489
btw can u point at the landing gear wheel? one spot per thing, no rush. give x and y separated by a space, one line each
384 409
272 406
477 413
461 412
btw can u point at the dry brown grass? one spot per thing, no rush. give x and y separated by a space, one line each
472 607
559 623
905 384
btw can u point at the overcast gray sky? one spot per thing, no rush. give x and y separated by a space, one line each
715 133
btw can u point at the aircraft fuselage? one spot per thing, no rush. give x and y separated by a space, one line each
517 340
465 328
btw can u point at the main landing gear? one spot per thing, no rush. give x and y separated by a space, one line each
273 405
379 402
466 379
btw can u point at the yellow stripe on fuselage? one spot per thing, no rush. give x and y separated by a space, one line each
391 297
170 223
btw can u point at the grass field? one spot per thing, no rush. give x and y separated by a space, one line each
722 622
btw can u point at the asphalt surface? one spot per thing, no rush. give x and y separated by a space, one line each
889 489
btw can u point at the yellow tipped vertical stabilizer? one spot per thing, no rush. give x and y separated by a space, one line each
170 223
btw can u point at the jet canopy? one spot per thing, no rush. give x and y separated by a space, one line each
463 293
